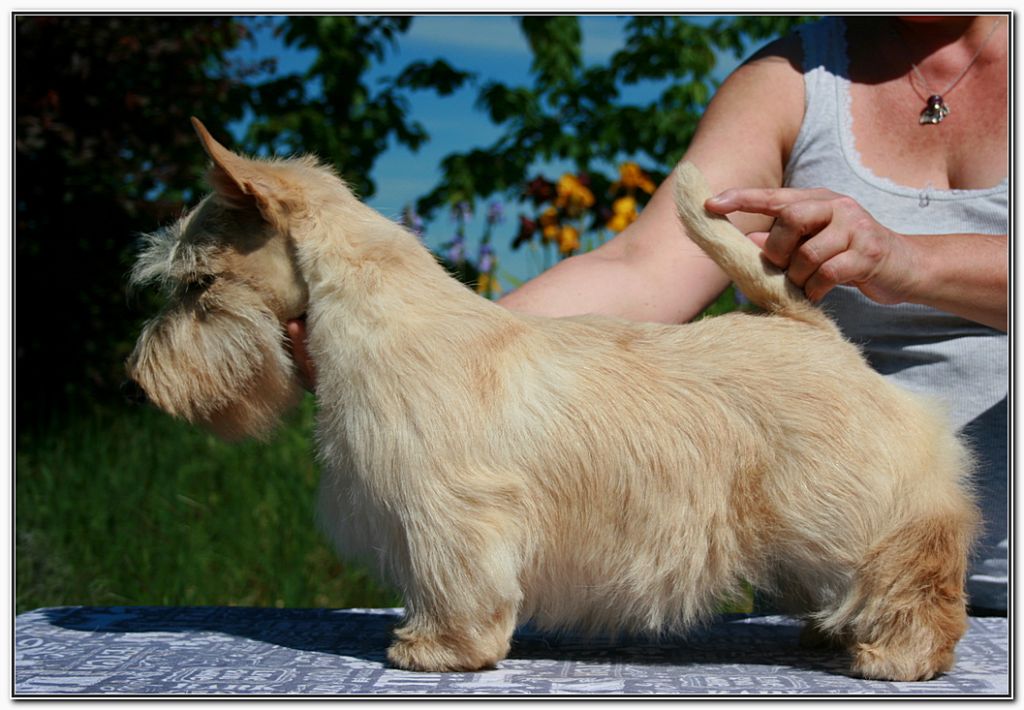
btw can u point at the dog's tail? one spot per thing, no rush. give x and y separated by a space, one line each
763 283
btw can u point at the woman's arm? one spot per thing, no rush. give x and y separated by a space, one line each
963 274
651 270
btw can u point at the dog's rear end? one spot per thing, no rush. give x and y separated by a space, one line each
811 478
905 608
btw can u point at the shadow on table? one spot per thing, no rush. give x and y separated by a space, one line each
359 634
366 634
735 639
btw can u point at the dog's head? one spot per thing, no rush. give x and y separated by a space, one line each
217 354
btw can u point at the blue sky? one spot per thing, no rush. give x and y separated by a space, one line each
492 47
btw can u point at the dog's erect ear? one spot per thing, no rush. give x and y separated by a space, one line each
242 182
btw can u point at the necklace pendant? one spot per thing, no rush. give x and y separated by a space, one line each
934 111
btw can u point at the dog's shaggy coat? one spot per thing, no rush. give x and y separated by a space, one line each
583 472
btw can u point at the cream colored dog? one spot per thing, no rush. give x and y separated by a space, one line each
586 473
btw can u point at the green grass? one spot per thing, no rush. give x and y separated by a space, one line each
131 507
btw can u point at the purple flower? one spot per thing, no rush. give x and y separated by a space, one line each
462 212
486 261
495 212
412 220
456 250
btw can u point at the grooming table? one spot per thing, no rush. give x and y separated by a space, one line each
211 651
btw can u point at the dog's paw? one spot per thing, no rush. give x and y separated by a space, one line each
416 652
877 664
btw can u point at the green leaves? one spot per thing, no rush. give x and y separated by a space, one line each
555 43
504 103
575 112
663 47
332 109
437 75
477 172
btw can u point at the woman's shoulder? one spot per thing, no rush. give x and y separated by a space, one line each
759 107
786 52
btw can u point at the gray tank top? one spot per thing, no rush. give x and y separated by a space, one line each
962 363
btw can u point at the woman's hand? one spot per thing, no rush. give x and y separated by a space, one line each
296 329
822 239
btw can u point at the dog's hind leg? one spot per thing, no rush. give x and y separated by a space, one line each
909 606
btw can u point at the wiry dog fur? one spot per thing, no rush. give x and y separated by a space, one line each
582 472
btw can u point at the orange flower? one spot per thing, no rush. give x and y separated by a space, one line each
573 195
487 285
568 240
631 178
549 224
623 214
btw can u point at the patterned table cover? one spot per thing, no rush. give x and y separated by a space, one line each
212 651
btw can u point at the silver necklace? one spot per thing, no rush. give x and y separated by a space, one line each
935 108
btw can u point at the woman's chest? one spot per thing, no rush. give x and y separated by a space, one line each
967 150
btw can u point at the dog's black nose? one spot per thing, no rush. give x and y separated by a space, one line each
132 392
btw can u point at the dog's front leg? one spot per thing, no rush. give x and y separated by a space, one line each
462 597
429 643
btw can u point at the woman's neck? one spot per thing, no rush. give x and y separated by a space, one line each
954 38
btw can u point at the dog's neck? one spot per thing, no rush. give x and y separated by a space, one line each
372 279
353 252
